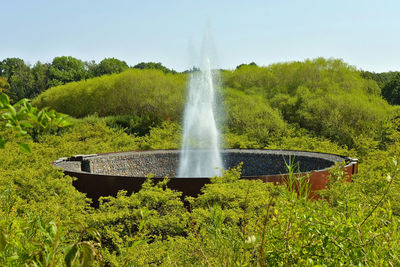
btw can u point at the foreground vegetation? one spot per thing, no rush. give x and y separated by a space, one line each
320 105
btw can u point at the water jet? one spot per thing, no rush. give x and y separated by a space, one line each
200 154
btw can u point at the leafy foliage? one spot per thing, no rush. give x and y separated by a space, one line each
134 92
234 222
18 76
4 86
66 69
25 81
391 90
109 66
316 105
155 66
41 77
327 97
251 115
28 121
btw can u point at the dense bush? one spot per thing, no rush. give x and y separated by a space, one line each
328 97
241 222
252 115
233 222
133 124
134 92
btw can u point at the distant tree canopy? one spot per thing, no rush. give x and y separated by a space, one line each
66 69
380 78
25 81
109 66
191 70
153 65
19 77
9 66
389 83
391 90
250 64
41 77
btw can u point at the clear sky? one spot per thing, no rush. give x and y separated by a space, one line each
363 33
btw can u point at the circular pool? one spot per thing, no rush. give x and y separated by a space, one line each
106 174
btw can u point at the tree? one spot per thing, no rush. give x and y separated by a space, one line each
11 65
191 70
109 66
18 76
153 65
40 74
21 83
66 69
90 67
380 78
391 90
250 64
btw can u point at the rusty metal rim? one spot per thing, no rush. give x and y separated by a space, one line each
348 160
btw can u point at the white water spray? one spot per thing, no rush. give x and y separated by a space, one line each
200 155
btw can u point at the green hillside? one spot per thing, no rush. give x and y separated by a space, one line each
324 96
134 92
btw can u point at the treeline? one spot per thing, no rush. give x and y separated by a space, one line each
326 97
20 80
389 82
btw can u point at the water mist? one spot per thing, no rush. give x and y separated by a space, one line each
200 154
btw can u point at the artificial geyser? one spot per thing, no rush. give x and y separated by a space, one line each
200 154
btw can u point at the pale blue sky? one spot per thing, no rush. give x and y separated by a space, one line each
363 33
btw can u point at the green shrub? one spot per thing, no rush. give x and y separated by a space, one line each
134 92
126 222
166 136
139 126
251 114
233 221
327 97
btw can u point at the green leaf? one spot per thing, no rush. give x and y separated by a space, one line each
25 147
70 253
21 102
13 258
3 239
2 142
94 232
26 125
4 100
13 111
88 254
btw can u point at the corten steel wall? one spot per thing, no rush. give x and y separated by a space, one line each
114 170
